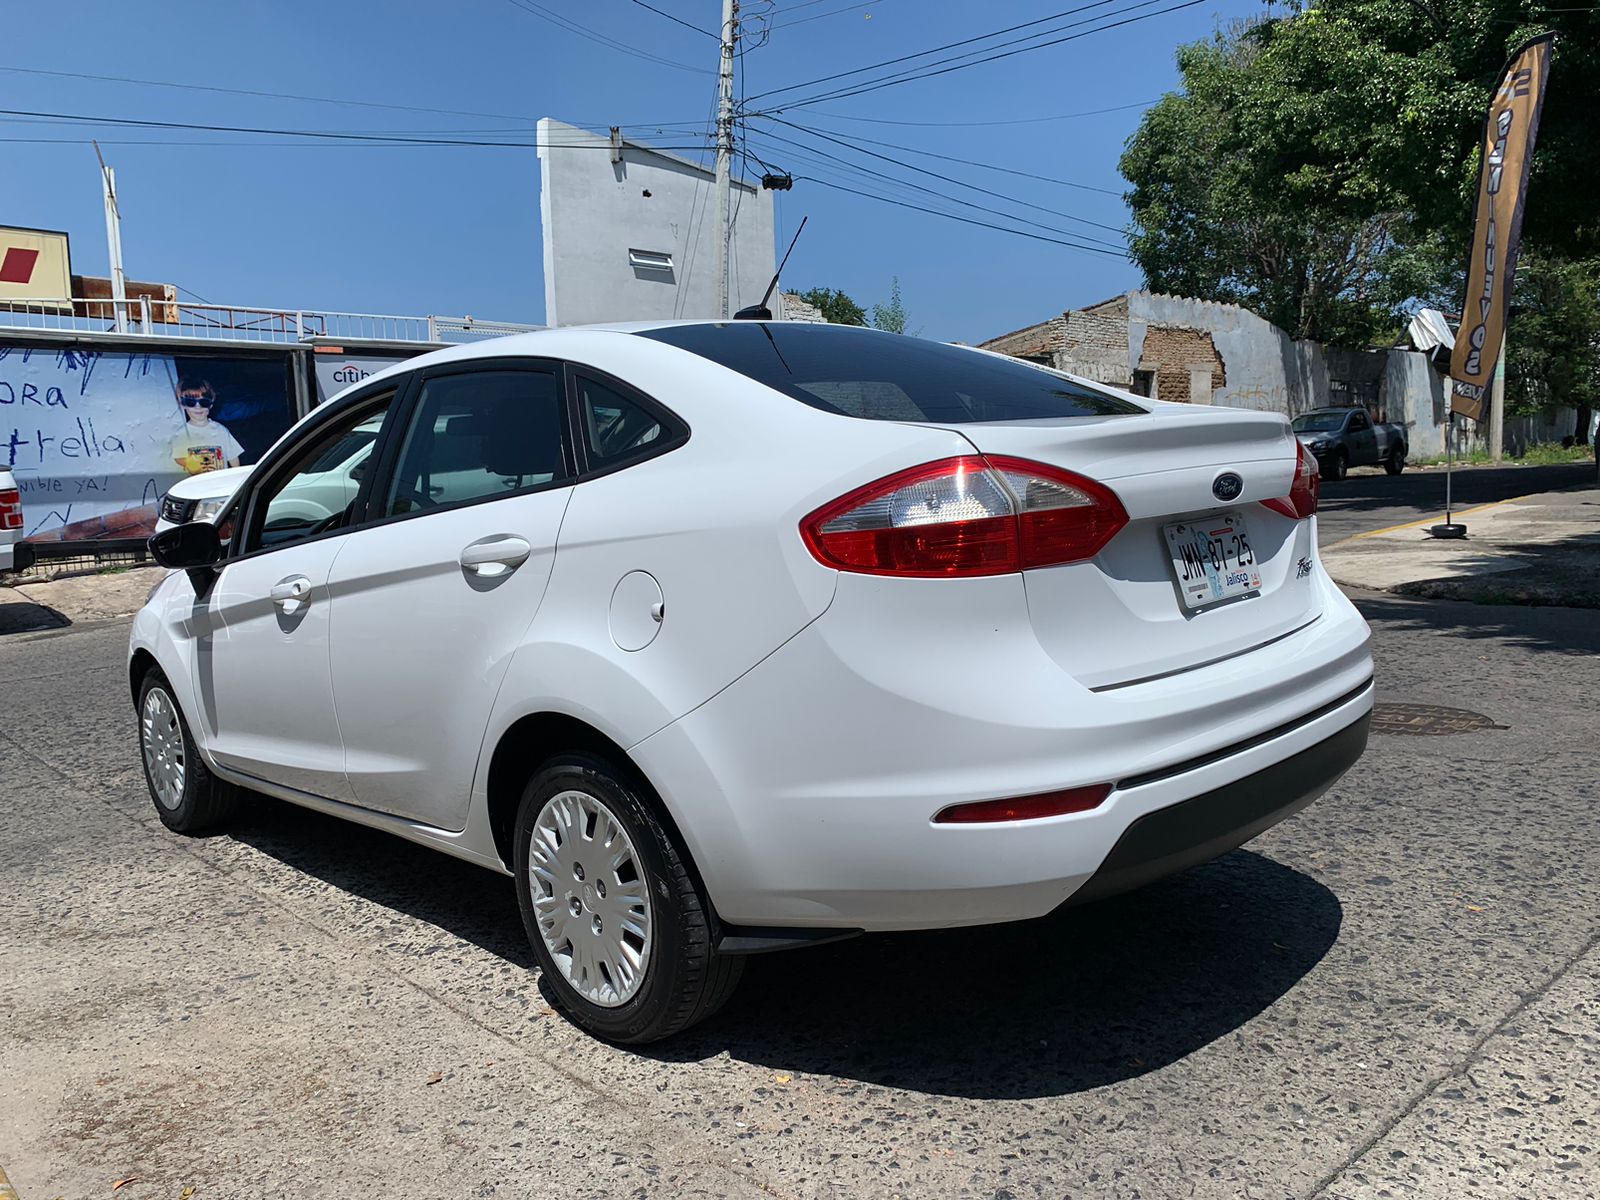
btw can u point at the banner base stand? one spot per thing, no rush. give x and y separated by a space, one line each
1450 529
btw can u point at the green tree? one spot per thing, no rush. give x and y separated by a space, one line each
890 316
1553 344
1319 168
837 307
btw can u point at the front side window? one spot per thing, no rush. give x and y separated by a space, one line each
318 491
479 435
890 377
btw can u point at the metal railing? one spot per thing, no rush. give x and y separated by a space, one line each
144 316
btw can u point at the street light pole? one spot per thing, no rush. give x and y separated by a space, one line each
730 35
119 284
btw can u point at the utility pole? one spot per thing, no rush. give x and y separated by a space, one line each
730 35
119 284
1497 406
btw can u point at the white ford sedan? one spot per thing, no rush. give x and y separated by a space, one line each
730 637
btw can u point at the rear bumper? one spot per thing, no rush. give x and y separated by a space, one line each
806 790
15 556
1195 831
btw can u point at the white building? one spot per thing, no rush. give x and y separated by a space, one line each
629 232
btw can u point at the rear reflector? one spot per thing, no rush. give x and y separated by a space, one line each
1025 808
10 509
966 516
1301 501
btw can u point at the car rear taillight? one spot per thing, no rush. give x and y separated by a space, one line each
10 509
1025 808
974 515
1302 498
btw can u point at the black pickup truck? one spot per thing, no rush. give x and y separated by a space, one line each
1342 438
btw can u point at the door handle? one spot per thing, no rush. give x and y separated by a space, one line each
292 591
497 555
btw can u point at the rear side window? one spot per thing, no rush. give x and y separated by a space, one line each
618 428
890 377
478 435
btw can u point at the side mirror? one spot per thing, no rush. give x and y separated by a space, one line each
194 544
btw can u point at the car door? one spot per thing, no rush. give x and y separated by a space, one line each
1363 442
261 657
431 600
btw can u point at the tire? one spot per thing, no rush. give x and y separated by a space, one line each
1396 462
637 980
1338 465
187 796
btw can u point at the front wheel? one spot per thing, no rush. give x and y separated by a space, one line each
1338 465
187 796
1396 461
615 919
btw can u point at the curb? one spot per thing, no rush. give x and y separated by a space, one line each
1434 520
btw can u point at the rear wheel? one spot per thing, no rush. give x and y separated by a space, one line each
615 919
1338 464
187 796
1396 461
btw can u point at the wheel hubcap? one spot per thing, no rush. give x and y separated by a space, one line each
162 740
590 898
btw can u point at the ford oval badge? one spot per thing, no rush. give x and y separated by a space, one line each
1227 486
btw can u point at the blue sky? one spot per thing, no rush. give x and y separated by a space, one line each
418 229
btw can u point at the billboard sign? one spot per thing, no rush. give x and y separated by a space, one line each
96 438
335 372
35 269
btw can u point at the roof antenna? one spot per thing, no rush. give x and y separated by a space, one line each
760 312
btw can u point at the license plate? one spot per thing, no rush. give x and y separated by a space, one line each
1213 560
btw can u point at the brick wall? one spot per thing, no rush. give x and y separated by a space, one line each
1171 351
1094 344
796 309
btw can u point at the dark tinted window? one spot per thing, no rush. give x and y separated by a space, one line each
478 435
888 376
615 428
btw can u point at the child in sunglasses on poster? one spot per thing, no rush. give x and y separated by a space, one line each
204 445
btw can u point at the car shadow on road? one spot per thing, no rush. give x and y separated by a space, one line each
1082 998
1471 487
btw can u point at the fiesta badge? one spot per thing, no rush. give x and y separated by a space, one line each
1227 486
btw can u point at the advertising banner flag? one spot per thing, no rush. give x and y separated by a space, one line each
1506 151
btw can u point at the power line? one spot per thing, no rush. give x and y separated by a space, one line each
832 12
295 96
966 203
920 73
319 134
1092 112
970 221
677 20
337 100
943 178
889 62
583 31
971 162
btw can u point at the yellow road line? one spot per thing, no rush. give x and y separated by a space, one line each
1434 520
7 1192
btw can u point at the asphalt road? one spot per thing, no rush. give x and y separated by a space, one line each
1367 501
1395 993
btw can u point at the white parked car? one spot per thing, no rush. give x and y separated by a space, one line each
727 637
200 497
11 526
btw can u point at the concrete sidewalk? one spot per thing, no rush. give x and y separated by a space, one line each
1539 549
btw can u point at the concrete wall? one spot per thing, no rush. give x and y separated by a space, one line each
593 212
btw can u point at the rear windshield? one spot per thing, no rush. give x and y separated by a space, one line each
890 377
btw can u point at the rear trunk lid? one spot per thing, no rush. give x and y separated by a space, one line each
1120 618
